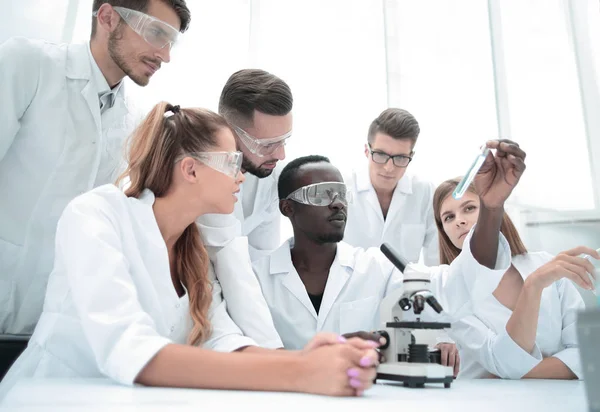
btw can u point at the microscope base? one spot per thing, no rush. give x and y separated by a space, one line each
416 375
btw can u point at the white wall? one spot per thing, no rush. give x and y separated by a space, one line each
33 18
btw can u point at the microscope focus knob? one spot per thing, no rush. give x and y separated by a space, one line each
405 304
385 335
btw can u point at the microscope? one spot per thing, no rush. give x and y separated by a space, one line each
406 360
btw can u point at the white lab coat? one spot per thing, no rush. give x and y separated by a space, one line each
53 142
358 280
409 225
111 304
252 231
486 348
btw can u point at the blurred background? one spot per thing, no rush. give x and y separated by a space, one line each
469 70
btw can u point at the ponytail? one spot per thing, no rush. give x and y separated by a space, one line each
165 133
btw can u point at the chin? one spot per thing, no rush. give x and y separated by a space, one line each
331 237
140 79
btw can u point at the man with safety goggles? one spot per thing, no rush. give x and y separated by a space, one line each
64 120
258 106
316 282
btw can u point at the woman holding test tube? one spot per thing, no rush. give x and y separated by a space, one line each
526 329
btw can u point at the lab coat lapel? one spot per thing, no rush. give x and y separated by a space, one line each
283 268
78 67
153 242
367 192
90 95
338 277
398 205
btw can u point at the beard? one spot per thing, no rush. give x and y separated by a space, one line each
117 54
330 238
251 168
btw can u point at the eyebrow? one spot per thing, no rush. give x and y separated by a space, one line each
461 205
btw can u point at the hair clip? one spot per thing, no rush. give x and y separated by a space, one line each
172 111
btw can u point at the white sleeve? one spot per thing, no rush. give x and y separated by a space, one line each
267 237
225 336
246 304
571 302
19 77
499 354
122 337
464 281
218 230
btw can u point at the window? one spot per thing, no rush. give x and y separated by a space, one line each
545 105
441 71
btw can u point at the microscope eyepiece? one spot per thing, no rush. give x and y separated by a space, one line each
432 301
418 304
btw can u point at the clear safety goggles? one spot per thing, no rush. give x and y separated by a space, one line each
156 32
322 194
261 147
228 163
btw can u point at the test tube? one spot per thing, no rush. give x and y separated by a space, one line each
462 187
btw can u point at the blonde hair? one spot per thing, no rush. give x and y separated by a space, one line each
449 252
153 149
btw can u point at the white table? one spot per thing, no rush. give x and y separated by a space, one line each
464 396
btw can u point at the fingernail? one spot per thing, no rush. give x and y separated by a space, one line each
342 339
382 341
353 372
355 383
373 344
366 361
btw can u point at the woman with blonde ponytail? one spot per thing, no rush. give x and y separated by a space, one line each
133 297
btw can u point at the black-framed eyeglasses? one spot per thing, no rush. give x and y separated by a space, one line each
382 158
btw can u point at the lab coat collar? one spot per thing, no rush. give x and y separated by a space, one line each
339 273
281 259
147 197
78 62
79 67
363 182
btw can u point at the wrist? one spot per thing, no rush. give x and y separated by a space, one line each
494 210
295 372
532 287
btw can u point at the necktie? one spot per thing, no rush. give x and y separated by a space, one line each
107 100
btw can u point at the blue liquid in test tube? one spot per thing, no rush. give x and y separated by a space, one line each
470 175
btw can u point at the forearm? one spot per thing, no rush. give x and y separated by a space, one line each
522 325
265 351
550 368
486 236
191 367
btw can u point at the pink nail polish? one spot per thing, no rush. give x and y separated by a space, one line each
355 383
353 372
342 339
366 361
373 344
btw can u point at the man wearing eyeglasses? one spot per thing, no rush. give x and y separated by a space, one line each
64 120
392 205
